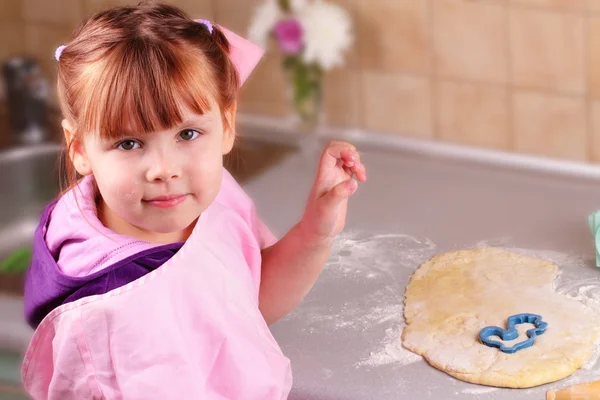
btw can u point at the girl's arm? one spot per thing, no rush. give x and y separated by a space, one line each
291 266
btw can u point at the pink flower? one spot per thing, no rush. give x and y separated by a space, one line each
289 34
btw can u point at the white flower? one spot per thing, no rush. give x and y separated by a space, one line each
264 18
297 5
327 33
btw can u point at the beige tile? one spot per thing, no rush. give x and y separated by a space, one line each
235 14
548 125
42 40
70 12
594 57
93 6
397 103
394 35
10 10
12 41
473 114
547 50
195 8
266 108
341 97
470 40
575 5
593 5
266 90
595 126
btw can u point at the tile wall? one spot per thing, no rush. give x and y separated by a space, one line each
517 75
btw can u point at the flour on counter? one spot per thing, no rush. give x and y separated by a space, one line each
372 256
483 390
372 269
367 262
392 351
586 291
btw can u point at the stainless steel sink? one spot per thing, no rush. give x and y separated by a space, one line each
29 179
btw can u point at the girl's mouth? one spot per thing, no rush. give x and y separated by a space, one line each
166 201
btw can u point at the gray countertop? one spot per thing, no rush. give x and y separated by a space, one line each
343 341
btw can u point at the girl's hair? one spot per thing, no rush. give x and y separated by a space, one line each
131 70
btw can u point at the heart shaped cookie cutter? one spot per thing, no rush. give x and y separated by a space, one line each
511 333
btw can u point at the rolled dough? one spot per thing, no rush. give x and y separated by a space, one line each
453 296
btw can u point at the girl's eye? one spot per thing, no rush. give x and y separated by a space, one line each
128 145
189 134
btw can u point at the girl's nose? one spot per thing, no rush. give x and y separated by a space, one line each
163 169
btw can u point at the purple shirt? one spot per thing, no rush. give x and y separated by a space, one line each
47 287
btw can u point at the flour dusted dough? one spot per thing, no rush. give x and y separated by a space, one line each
453 296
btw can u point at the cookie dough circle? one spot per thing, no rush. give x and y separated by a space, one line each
451 297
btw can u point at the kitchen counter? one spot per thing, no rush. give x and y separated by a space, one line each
343 341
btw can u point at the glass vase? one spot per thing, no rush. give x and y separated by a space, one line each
306 94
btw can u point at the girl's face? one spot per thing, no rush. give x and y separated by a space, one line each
154 186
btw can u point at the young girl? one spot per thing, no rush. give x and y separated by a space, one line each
152 276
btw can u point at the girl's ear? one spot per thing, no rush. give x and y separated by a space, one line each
229 133
77 153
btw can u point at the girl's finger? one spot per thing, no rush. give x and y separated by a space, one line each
338 193
361 172
349 170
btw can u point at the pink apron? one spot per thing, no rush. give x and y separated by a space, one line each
189 330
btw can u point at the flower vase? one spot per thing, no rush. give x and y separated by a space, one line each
305 94
307 111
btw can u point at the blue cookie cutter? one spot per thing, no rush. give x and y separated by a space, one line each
511 333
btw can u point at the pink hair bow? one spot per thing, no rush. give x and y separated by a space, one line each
244 54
